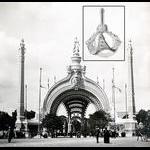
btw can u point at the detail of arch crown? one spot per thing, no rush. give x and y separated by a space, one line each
75 87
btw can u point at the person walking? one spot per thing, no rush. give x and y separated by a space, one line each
97 132
106 136
139 134
10 134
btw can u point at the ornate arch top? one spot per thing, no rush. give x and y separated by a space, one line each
77 86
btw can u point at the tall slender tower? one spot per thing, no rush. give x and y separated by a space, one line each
113 95
22 49
131 94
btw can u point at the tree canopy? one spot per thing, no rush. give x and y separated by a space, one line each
144 117
7 121
99 118
29 114
52 122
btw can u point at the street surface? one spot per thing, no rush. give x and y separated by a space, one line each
74 142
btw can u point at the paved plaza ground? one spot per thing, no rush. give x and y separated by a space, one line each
74 142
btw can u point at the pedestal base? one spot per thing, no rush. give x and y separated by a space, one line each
130 126
18 127
18 124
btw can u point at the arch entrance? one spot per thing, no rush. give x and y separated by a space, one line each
75 92
75 101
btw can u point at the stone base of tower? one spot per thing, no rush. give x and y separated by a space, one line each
130 126
19 124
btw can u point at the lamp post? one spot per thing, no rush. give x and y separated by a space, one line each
113 95
26 120
39 101
126 99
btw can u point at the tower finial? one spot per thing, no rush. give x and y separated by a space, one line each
22 45
97 80
102 16
76 47
130 46
130 43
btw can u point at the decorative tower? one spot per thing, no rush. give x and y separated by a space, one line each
20 116
131 94
130 122
22 48
77 71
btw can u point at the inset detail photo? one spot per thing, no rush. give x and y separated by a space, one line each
103 33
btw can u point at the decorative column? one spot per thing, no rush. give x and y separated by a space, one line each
131 94
130 122
22 48
113 96
21 109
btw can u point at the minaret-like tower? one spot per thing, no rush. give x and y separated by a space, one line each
131 94
77 71
22 49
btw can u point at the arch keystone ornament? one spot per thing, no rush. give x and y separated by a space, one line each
75 92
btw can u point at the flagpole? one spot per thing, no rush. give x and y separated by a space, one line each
26 97
39 100
48 84
27 134
126 99
103 84
113 95
54 79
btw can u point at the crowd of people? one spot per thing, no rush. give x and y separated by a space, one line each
106 134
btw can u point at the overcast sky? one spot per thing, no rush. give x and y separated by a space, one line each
49 30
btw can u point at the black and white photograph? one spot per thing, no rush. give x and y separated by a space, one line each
74 74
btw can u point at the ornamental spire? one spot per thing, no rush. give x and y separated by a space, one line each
76 47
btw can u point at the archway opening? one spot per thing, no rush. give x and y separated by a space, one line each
61 111
90 110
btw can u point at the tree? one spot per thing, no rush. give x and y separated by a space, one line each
52 123
13 119
144 117
99 118
141 116
29 114
65 123
5 120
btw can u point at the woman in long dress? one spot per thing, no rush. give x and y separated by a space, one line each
106 136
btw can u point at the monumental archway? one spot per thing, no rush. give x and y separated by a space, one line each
75 91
